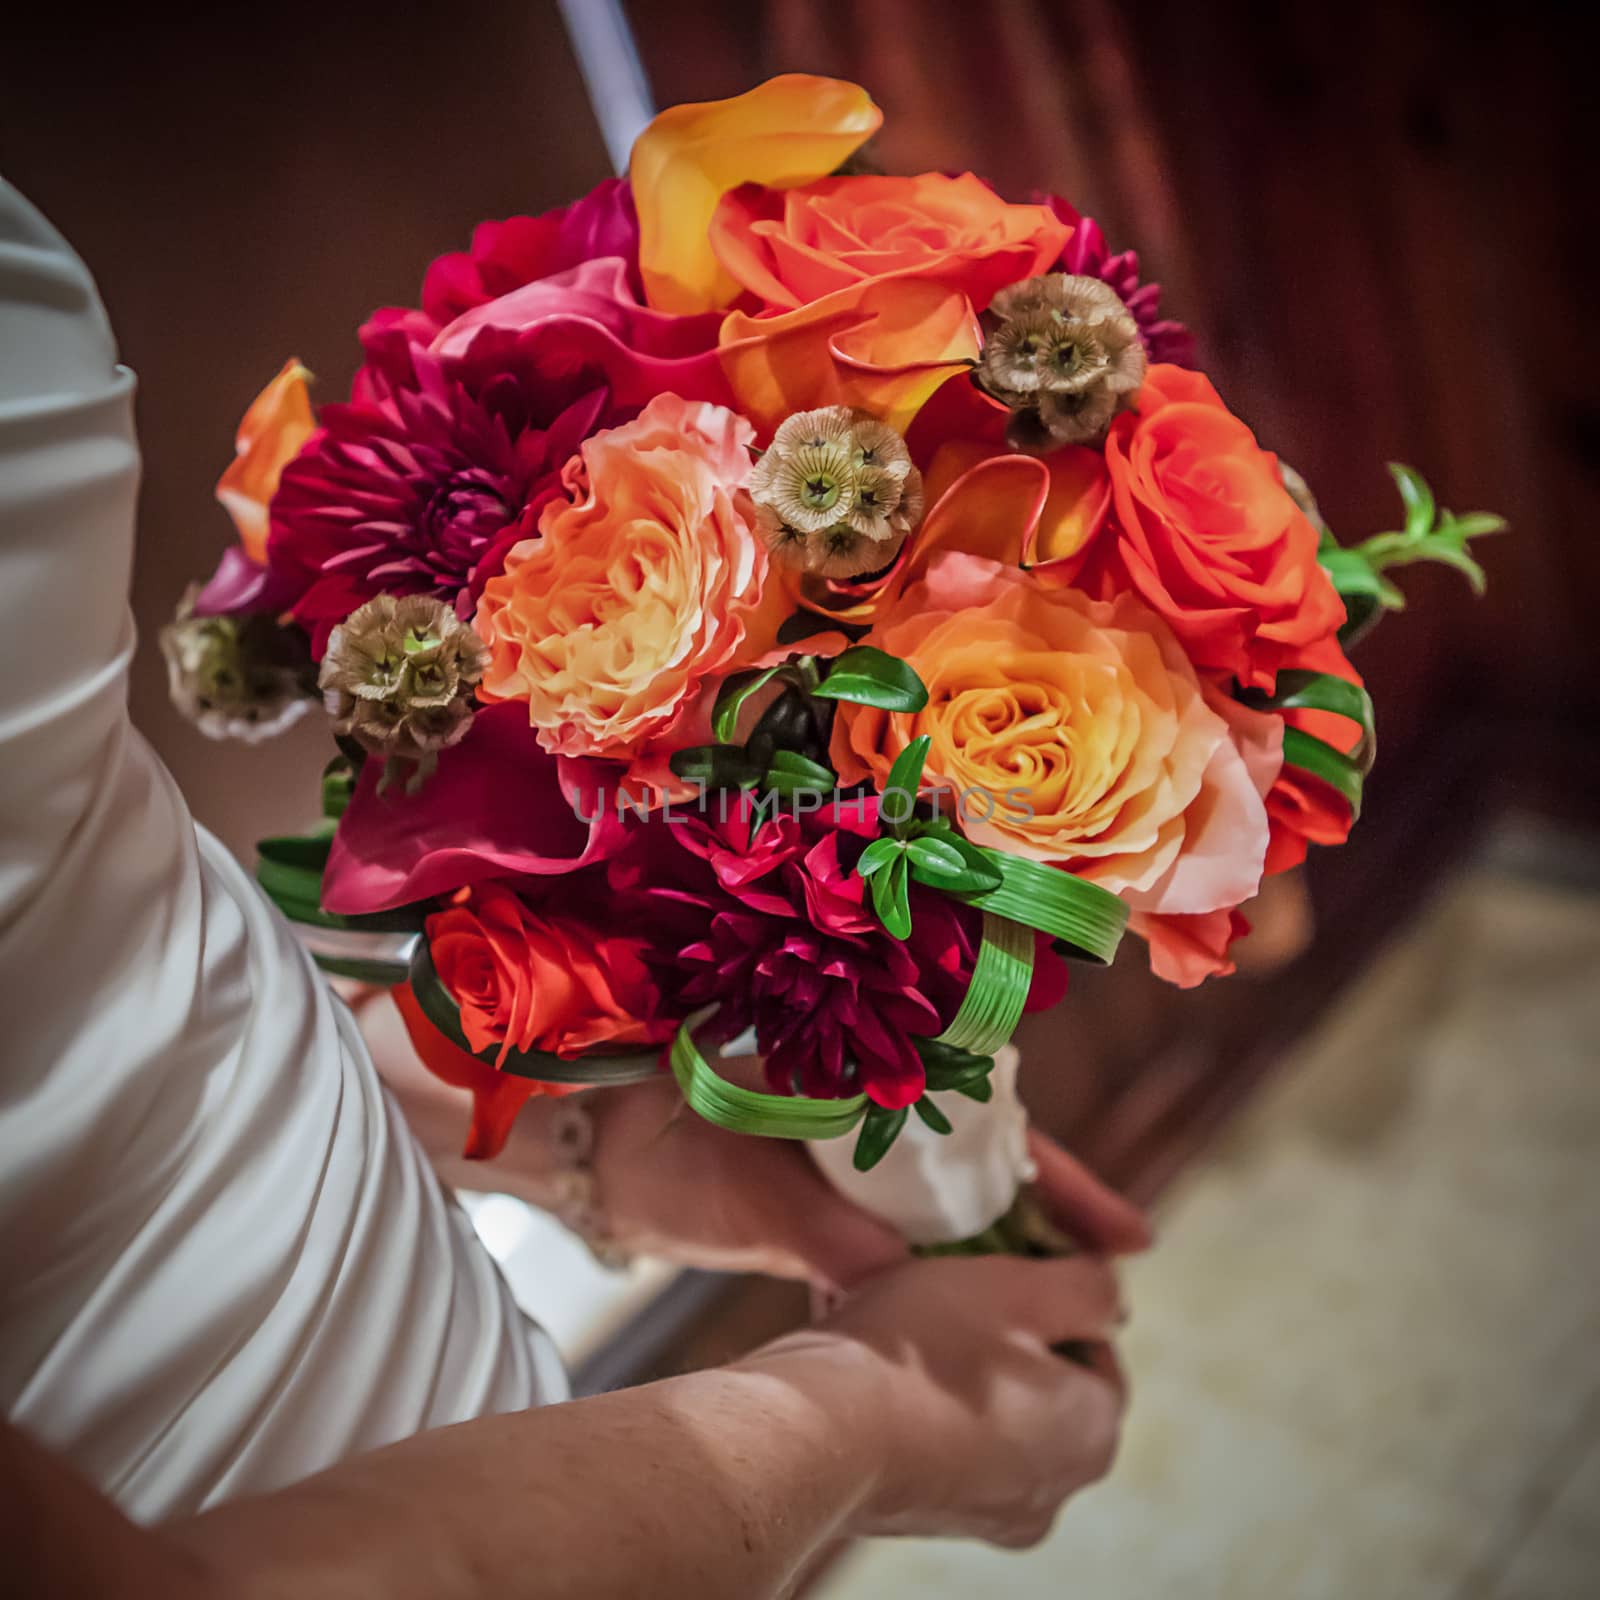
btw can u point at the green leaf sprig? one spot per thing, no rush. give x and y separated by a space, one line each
1430 534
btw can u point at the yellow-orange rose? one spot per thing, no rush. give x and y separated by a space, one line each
609 621
1074 731
270 435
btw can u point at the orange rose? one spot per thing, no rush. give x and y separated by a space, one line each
270 435
1207 534
869 287
497 1096
1074 731
636 595
525 981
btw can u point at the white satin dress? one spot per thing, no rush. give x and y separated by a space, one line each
224 1263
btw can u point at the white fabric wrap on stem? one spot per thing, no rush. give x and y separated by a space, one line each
937 1188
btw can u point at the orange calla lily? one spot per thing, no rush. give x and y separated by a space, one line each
270 436
790 130
1020 511
884 347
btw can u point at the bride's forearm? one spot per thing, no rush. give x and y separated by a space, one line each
719 1484
715 1484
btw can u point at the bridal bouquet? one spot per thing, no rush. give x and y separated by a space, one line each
771 614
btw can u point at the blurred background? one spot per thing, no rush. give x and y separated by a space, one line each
1365 1352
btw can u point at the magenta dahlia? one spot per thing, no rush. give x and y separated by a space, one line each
419 490
780 935
1088 255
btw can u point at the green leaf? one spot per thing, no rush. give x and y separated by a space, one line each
789 723
868 676
802 625
979 1089
905 779
936 854
932 1115
1430 534
792 773
308 851
731 698
977 873
772 1116
877 855
1416 496
879 1130
891 898
1321 760
338 784
1326 691
948 1062
717 766
940 866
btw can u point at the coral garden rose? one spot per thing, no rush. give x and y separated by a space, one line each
636 593
1075 732
527 980
868 288
1205 531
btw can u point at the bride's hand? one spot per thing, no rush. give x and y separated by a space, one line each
673 1184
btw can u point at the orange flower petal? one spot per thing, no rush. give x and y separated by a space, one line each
787 131
270 436
883 346
497 1097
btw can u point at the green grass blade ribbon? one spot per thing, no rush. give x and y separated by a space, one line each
775 1116
1003 974
1324 691
1084 915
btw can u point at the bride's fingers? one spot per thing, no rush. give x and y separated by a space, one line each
1096 1216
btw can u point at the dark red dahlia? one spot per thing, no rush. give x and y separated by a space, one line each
419 490
780 935
1088 255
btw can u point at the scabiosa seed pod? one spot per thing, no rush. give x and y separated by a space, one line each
1065 355
236 677
836 493
398 677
